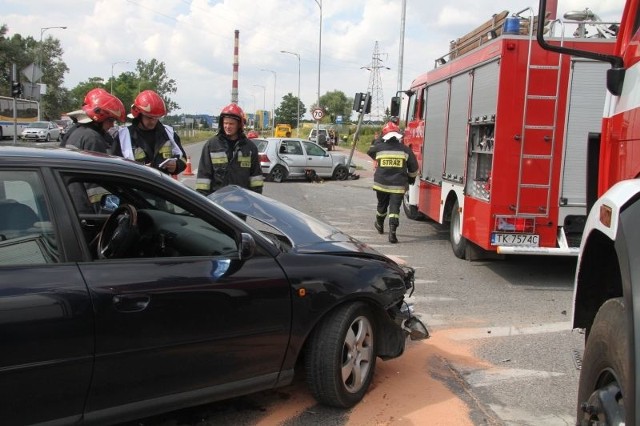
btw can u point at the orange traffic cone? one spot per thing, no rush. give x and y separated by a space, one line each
188 171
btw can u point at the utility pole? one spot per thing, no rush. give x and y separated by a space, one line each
375 85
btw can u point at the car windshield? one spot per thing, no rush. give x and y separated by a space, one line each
39 125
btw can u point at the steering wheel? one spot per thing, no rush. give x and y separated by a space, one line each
118 233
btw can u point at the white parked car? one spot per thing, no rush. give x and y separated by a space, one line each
41 131
283 158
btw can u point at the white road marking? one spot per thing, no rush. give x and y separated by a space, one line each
514 416
486 332
492 376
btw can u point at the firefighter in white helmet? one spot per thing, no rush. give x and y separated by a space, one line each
397 169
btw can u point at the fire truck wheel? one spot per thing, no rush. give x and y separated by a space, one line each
604 374
458 242
409 210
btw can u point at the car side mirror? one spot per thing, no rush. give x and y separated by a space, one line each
109 202
247 246
615 78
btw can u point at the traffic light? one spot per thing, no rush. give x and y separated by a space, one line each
16 89
359 102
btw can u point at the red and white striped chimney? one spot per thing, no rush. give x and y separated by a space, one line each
234 83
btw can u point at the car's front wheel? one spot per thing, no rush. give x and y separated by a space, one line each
341 356
341 173
48 137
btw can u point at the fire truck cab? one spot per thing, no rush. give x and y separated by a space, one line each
499 128
607 282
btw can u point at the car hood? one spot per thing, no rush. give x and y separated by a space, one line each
308 234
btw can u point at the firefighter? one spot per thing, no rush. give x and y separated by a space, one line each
229 158
100 111
147 140
397 169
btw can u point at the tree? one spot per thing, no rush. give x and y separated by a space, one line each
48 55
153 75
288 110
334 104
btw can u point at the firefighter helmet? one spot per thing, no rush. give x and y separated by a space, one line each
102 105
253 134
148 103
88 98
232 111
391 130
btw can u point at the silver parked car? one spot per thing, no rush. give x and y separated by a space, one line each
41 131
283 158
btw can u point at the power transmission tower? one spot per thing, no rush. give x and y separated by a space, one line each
375 86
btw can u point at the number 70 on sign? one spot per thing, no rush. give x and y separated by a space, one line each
317 114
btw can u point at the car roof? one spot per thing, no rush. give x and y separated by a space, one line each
47 155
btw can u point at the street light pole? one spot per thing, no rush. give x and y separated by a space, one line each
42 30
264 97
298 102
112 65
273 110
319 3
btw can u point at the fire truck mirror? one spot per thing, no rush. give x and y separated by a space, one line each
395 106
615 78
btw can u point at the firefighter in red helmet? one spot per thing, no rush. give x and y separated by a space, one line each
147 140
99 112
397 168
229 158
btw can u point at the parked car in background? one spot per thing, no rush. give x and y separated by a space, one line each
126 294
282 131
321 137
41 131
284 158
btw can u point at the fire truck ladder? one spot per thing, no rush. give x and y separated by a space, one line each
530 152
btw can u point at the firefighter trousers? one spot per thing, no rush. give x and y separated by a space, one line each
392 202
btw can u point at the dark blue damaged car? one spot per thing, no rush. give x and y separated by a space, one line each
124 294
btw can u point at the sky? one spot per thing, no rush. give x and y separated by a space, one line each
195 40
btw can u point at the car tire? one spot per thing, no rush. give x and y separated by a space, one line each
340 173
458 242
48 137
278 174
341 356
604 375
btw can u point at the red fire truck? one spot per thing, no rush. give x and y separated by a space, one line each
607 284
499 127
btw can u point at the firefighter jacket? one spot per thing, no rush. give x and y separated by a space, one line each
397 166
150 147
224 162
87 137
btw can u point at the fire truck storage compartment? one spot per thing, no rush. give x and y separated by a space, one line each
435 132
457 128
481 130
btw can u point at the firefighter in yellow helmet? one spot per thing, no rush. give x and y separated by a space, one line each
397 168
229 158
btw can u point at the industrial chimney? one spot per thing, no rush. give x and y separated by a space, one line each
234 83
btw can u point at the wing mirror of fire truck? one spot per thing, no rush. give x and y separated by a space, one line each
395 106
615 78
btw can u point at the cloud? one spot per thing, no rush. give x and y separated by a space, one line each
195 39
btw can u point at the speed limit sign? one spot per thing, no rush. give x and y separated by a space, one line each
318 114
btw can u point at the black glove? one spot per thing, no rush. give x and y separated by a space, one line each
412 180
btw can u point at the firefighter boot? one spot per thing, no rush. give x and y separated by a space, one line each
379 224
392 232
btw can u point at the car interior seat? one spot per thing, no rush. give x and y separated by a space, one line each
283 149
16 216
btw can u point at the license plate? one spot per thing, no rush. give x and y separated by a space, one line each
530 240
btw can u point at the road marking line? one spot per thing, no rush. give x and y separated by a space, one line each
492 376
486 332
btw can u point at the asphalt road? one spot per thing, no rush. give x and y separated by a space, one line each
501 328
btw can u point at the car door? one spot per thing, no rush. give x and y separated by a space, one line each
46 320
294 156
183 319
318 159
